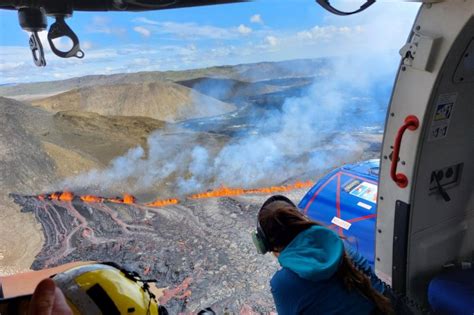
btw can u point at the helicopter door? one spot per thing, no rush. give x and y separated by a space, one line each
426 190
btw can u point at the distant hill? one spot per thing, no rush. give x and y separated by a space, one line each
228 89
165 101
246 72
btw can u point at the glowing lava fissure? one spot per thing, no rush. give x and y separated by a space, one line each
127 199
66 196
228 192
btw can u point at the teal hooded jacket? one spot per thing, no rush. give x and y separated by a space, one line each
306 283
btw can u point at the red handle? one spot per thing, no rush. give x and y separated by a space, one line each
411 123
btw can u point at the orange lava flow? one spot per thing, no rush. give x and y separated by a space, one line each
219 192
91 199
66 196
225 191
162 203
54 196
115 200
57 196
128 199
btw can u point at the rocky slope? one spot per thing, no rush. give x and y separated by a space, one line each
24 165
159 100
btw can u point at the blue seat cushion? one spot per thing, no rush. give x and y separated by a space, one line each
452 292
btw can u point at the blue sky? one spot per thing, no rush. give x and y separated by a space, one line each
264 30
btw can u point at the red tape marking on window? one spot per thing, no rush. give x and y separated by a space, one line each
317 192
365 217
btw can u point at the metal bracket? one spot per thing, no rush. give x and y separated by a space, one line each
37 50
326 5
33 21
417 53
61 29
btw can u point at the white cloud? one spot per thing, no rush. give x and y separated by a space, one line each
193 31
223 51
242 29
327 32
271 40
87 45
141 61
256 18
145 21
8 66
103 25
142 31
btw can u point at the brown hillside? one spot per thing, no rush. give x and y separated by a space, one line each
99 138
24 166
159 100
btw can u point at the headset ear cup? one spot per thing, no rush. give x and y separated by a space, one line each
259 238
259 243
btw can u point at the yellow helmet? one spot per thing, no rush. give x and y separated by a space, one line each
105 289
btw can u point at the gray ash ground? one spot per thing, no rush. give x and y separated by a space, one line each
200 249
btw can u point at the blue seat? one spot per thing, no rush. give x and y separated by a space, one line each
452 293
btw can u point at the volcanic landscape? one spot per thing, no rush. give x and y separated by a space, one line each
66 145
199 249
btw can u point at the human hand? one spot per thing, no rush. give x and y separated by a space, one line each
48 300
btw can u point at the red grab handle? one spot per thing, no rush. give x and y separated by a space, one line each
411 123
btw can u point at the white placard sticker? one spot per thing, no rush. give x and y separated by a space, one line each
341 223
366 191
442 116
364 205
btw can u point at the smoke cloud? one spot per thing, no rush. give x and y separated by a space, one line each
309 133
320 129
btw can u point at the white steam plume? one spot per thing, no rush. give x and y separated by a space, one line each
303 136
306 135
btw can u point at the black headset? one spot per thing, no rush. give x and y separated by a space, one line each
259 238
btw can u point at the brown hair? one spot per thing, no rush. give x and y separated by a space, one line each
282 222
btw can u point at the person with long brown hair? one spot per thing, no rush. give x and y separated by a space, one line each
319 274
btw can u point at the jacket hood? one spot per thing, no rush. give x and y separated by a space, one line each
314 254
